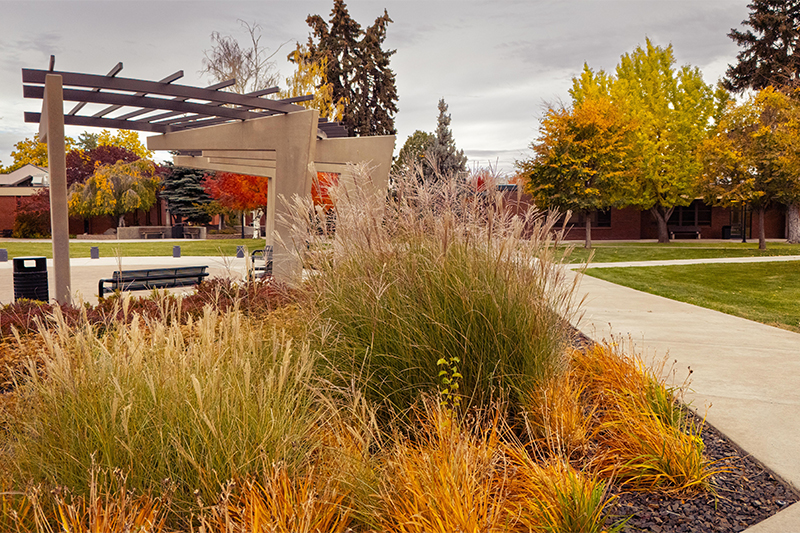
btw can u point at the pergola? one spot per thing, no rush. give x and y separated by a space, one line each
210 129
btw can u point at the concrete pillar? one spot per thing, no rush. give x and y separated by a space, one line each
51 130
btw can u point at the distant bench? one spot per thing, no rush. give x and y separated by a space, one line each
265 257
152 278
691 231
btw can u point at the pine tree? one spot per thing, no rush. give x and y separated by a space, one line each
770 55
185 195
445 159
357 69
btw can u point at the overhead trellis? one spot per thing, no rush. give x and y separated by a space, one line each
161 106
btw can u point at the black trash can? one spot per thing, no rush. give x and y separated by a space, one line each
726 232
177 231
30 278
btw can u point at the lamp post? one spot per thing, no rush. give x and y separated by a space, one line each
742 221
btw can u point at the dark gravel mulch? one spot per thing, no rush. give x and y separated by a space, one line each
746 493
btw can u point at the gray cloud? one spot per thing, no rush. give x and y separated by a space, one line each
495 62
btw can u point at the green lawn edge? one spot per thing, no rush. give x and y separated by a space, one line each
766 292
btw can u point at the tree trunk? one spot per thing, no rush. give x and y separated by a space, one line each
662 216
221 224
793 224
241 219
762 239
588 220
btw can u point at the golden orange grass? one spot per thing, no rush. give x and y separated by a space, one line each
559 423
556 497
445 479
644 441
104 511
305 503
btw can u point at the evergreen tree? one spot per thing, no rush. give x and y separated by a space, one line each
445 159
184 192
413 151
357 69
770 55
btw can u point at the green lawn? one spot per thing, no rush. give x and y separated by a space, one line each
764 292
226 247
635 251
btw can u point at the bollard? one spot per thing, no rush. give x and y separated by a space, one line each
3 255
94 252
176 251
239 251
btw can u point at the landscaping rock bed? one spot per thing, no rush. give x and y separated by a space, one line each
746 493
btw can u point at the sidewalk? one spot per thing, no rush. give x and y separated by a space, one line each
674 262
85 272
747 374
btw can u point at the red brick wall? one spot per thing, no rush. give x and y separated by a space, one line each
8 208
774 223
625 225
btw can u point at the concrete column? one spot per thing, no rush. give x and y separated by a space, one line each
51 130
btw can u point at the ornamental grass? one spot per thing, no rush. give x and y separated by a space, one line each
197 404
420 379
437 272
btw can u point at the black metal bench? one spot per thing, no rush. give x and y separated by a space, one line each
264 269
152 278
691 231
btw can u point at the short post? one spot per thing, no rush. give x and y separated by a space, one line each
239 251
176 251
3 255
94 252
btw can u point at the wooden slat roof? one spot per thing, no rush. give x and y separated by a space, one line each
184 106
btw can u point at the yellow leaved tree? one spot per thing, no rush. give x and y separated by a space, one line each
30 151
115 190
311 78
126 139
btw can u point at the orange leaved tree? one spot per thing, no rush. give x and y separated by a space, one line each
240 192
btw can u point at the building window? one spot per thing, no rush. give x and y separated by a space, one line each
695 214
603 219
600 219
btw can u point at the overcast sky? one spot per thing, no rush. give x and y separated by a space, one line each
496 63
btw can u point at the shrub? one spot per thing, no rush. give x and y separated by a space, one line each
32 219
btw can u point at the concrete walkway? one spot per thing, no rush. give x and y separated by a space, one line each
674 262
85 272
747 374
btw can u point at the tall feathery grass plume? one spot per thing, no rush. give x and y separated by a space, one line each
431 272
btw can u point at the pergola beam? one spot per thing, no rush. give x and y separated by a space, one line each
73 79
77 120
111 73
80 95
169 79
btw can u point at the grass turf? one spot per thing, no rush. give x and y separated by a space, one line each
213 247
650 251
764 292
